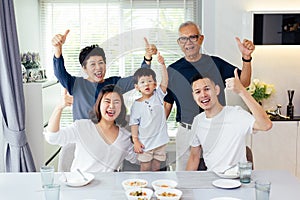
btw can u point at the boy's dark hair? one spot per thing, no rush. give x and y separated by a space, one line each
95 115
87 52
196 77
143 72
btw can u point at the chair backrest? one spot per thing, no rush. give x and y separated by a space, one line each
66 157
249 156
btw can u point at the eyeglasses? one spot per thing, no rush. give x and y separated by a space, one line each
192 38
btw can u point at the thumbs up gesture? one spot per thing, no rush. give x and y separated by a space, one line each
67 99
57 41
234 83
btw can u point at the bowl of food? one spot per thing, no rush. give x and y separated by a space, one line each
164 184
134 183
139 194
168 194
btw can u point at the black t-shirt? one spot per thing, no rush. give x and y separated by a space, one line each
179 87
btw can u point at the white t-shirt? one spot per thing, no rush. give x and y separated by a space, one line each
92 153
232 124
150 116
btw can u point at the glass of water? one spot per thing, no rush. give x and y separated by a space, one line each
262 189
52 192
245 169
47 175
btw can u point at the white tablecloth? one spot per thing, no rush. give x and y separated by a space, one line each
106 186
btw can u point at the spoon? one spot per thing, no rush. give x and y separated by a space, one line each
63 173
231 167
84 178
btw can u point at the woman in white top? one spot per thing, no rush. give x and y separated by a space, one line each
101 142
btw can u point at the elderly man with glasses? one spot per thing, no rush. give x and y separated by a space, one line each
181 73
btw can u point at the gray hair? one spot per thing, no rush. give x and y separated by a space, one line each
189 23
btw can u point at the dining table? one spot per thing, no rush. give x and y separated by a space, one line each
195 185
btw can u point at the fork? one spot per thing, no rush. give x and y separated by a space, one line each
84 178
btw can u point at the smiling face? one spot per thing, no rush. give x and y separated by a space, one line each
146 85
110 107
95 68
189 48
205 93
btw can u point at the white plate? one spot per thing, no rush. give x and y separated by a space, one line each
75 179
226 183
232 176
225 198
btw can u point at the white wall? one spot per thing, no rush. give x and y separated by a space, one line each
273 64
28 26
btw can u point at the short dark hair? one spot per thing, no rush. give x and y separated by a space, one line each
196 78
143 72
95 115
87 52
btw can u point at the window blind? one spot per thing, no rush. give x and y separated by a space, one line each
118 26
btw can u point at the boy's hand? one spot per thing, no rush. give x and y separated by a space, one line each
160 59
138 147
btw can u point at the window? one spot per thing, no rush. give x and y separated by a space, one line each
118 26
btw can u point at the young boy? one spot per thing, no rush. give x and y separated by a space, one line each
220 131
148 119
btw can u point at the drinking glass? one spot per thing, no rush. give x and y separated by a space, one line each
262 189
245 169
52 192
47 175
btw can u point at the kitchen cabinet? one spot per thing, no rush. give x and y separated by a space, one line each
40 100
277 148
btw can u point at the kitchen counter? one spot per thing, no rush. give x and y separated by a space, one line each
295 118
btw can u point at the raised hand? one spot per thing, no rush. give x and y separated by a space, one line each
234 83
246 48
160 59
67 99
150 49
57 41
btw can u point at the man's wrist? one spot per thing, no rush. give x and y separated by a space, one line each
246 59
148 59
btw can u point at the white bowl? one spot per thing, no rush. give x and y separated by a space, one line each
168 194
139 193
134 183
163 184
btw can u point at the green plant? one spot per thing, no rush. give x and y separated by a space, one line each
260 90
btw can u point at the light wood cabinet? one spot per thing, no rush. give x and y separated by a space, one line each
278 148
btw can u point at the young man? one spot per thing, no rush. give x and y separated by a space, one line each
221 130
